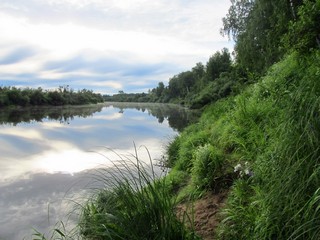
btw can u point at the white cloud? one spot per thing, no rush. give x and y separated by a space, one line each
113 84
178 33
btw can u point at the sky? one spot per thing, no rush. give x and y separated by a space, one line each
106 45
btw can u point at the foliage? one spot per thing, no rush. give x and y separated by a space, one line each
172 151
215 90
257 28
39 97
189 87
235 22
128 97
304 34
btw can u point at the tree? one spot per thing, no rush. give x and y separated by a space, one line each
257 28
159 89
304 33
218 63
37 97
235 22
56 98
199 72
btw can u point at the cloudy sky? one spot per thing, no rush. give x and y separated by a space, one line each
106 45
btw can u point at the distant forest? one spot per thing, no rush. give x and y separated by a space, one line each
195 88
263 31
37 97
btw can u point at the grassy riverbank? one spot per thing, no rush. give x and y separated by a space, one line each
263 145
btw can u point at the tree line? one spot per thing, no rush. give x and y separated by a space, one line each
37 97
264 32
196 87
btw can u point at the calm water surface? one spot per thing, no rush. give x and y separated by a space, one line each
48 156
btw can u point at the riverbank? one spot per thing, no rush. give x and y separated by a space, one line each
263 145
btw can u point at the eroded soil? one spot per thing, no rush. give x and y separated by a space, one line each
204 213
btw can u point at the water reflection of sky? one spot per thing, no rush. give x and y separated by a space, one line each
51 146
40 161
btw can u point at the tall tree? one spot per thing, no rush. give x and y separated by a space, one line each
258 31
159 89
236 19
218 63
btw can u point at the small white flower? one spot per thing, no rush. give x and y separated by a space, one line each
238 168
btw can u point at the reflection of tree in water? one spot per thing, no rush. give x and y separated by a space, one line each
63 114
178 117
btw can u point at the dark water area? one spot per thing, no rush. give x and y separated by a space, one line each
49 155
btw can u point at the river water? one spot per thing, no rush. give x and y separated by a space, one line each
49 155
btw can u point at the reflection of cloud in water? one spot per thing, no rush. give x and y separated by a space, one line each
31 151
68 161
52 125
66 158
40 201
20 165
55 126
26 133
74 160
113 116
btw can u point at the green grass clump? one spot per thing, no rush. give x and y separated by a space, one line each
134 205
207 167
193 137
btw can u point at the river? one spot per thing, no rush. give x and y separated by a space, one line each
49 155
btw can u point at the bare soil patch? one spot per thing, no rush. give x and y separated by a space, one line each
205 213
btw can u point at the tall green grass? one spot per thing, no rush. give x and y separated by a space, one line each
281 201
272 128
135 204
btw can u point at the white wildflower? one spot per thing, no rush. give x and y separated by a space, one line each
238 168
